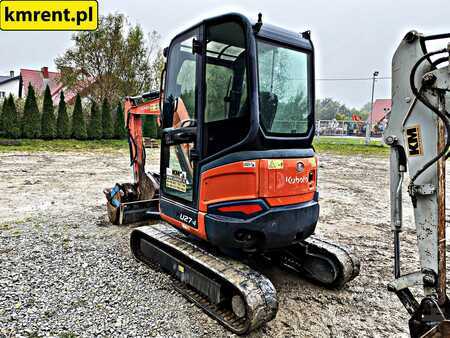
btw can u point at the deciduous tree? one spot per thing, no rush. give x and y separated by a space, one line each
114 61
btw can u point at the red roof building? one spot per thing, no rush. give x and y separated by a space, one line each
39 79
381 107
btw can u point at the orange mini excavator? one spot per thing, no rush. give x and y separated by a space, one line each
238 173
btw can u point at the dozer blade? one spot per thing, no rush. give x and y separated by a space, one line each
320 261
133 212
240 298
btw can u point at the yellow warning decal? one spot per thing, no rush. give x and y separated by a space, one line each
181 268
174 182
276 164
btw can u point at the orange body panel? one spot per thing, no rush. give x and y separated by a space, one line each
229 182
276 180
286 185
199 232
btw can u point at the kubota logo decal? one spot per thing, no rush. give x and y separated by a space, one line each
296 180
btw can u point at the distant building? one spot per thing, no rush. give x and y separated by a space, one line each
39 79
9 85
380 113
381 107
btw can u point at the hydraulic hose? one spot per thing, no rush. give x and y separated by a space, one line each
131 142
441 115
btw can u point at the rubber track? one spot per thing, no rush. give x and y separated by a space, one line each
347 263
257 290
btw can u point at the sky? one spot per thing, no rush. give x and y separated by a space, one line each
352 38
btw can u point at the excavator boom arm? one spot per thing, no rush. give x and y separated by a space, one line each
418 134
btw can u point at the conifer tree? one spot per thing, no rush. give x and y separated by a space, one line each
2 110
62 122
31 121
48 123
150 128
95 123
107 124
120 131
10 118
78 122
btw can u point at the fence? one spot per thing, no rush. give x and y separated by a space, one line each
346 128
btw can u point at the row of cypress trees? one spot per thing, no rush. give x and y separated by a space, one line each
32 124
100 124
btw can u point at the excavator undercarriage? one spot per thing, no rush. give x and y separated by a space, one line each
234 293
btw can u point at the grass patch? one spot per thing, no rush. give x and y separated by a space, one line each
5 226
63 145
349 146
67 335
324 144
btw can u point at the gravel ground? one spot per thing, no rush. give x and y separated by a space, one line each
65 272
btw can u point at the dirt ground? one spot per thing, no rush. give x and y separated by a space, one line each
64 271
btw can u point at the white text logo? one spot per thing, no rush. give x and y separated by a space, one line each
296 180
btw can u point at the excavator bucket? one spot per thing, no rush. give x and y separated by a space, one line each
133 203
441 330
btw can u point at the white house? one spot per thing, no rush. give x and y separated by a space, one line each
9 85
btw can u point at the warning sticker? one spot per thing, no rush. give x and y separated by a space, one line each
175 183
276 164
176 179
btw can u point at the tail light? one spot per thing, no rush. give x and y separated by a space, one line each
312 178
247 209
239 209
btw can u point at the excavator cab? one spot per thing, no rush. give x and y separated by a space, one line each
237 164
238 171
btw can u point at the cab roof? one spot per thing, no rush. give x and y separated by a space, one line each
284 36
266 31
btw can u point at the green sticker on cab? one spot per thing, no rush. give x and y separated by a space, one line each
276 164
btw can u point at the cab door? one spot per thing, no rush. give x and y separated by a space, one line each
180 129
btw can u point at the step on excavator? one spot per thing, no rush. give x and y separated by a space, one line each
237 186
418 133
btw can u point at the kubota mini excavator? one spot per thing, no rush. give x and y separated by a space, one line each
418 133
238 173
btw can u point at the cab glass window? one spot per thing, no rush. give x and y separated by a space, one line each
226 97
283 90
